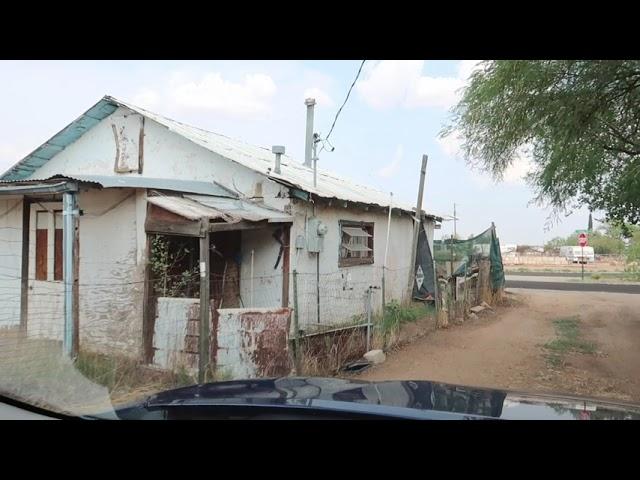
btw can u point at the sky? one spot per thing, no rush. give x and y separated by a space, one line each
394 115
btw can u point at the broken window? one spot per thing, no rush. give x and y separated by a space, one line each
356 246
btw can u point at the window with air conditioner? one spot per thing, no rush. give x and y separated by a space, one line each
356 245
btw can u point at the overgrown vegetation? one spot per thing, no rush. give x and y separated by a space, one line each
569 340
396 315
326 352
127 379
174 267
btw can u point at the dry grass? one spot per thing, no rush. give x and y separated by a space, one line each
37 371
326 353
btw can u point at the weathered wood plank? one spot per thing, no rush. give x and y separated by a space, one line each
205 309
286 266
243 225
24 280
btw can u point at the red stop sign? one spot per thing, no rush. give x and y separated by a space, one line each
582 239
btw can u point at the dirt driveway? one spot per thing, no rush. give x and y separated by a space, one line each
507 349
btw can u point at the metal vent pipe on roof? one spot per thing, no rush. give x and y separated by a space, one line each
308 145
278 150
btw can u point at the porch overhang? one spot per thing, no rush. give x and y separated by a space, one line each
194 215
37 188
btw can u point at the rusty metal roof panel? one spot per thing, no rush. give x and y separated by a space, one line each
136 181
242 209
195 207
185 207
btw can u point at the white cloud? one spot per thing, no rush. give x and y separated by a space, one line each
11 154
394 83
442 92
392 168
515 174
146 98
212 92
386 83
451 145
467 67
322 98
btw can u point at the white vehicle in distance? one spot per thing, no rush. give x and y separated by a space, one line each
575 254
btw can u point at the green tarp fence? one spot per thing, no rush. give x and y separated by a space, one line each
465 254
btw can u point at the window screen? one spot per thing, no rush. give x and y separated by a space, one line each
356 245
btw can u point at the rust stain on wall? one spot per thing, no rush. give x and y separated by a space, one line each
265 338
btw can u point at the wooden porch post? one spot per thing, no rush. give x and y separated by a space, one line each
205 307
24 280
286 266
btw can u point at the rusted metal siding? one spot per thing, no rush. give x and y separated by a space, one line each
246 343
253 343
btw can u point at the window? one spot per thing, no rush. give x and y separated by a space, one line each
57 247
42 231
356 247
46 229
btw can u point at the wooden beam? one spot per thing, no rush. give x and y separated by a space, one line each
159 220
75 292
205 308
24 280
148 308
285 266
193 229
242 225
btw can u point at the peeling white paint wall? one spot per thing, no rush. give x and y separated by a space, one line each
172 317
111 273
10 261
166 155
343 289
267 281
243 345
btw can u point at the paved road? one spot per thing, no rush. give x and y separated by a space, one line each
577 287
563 274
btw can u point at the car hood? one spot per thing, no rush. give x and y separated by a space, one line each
402 399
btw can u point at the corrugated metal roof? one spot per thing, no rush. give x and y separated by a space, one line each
242 208
134 181
259 159
230 210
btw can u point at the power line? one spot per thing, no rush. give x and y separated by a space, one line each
345 101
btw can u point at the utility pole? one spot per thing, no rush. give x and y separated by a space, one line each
417 223
455 235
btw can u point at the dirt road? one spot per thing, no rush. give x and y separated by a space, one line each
506 349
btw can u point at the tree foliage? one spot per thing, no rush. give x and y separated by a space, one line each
606 240
578 121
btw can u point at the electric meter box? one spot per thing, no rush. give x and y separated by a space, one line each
316 230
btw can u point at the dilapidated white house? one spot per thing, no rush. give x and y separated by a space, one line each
79 215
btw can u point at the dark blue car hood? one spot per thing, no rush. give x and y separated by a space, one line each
392 399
